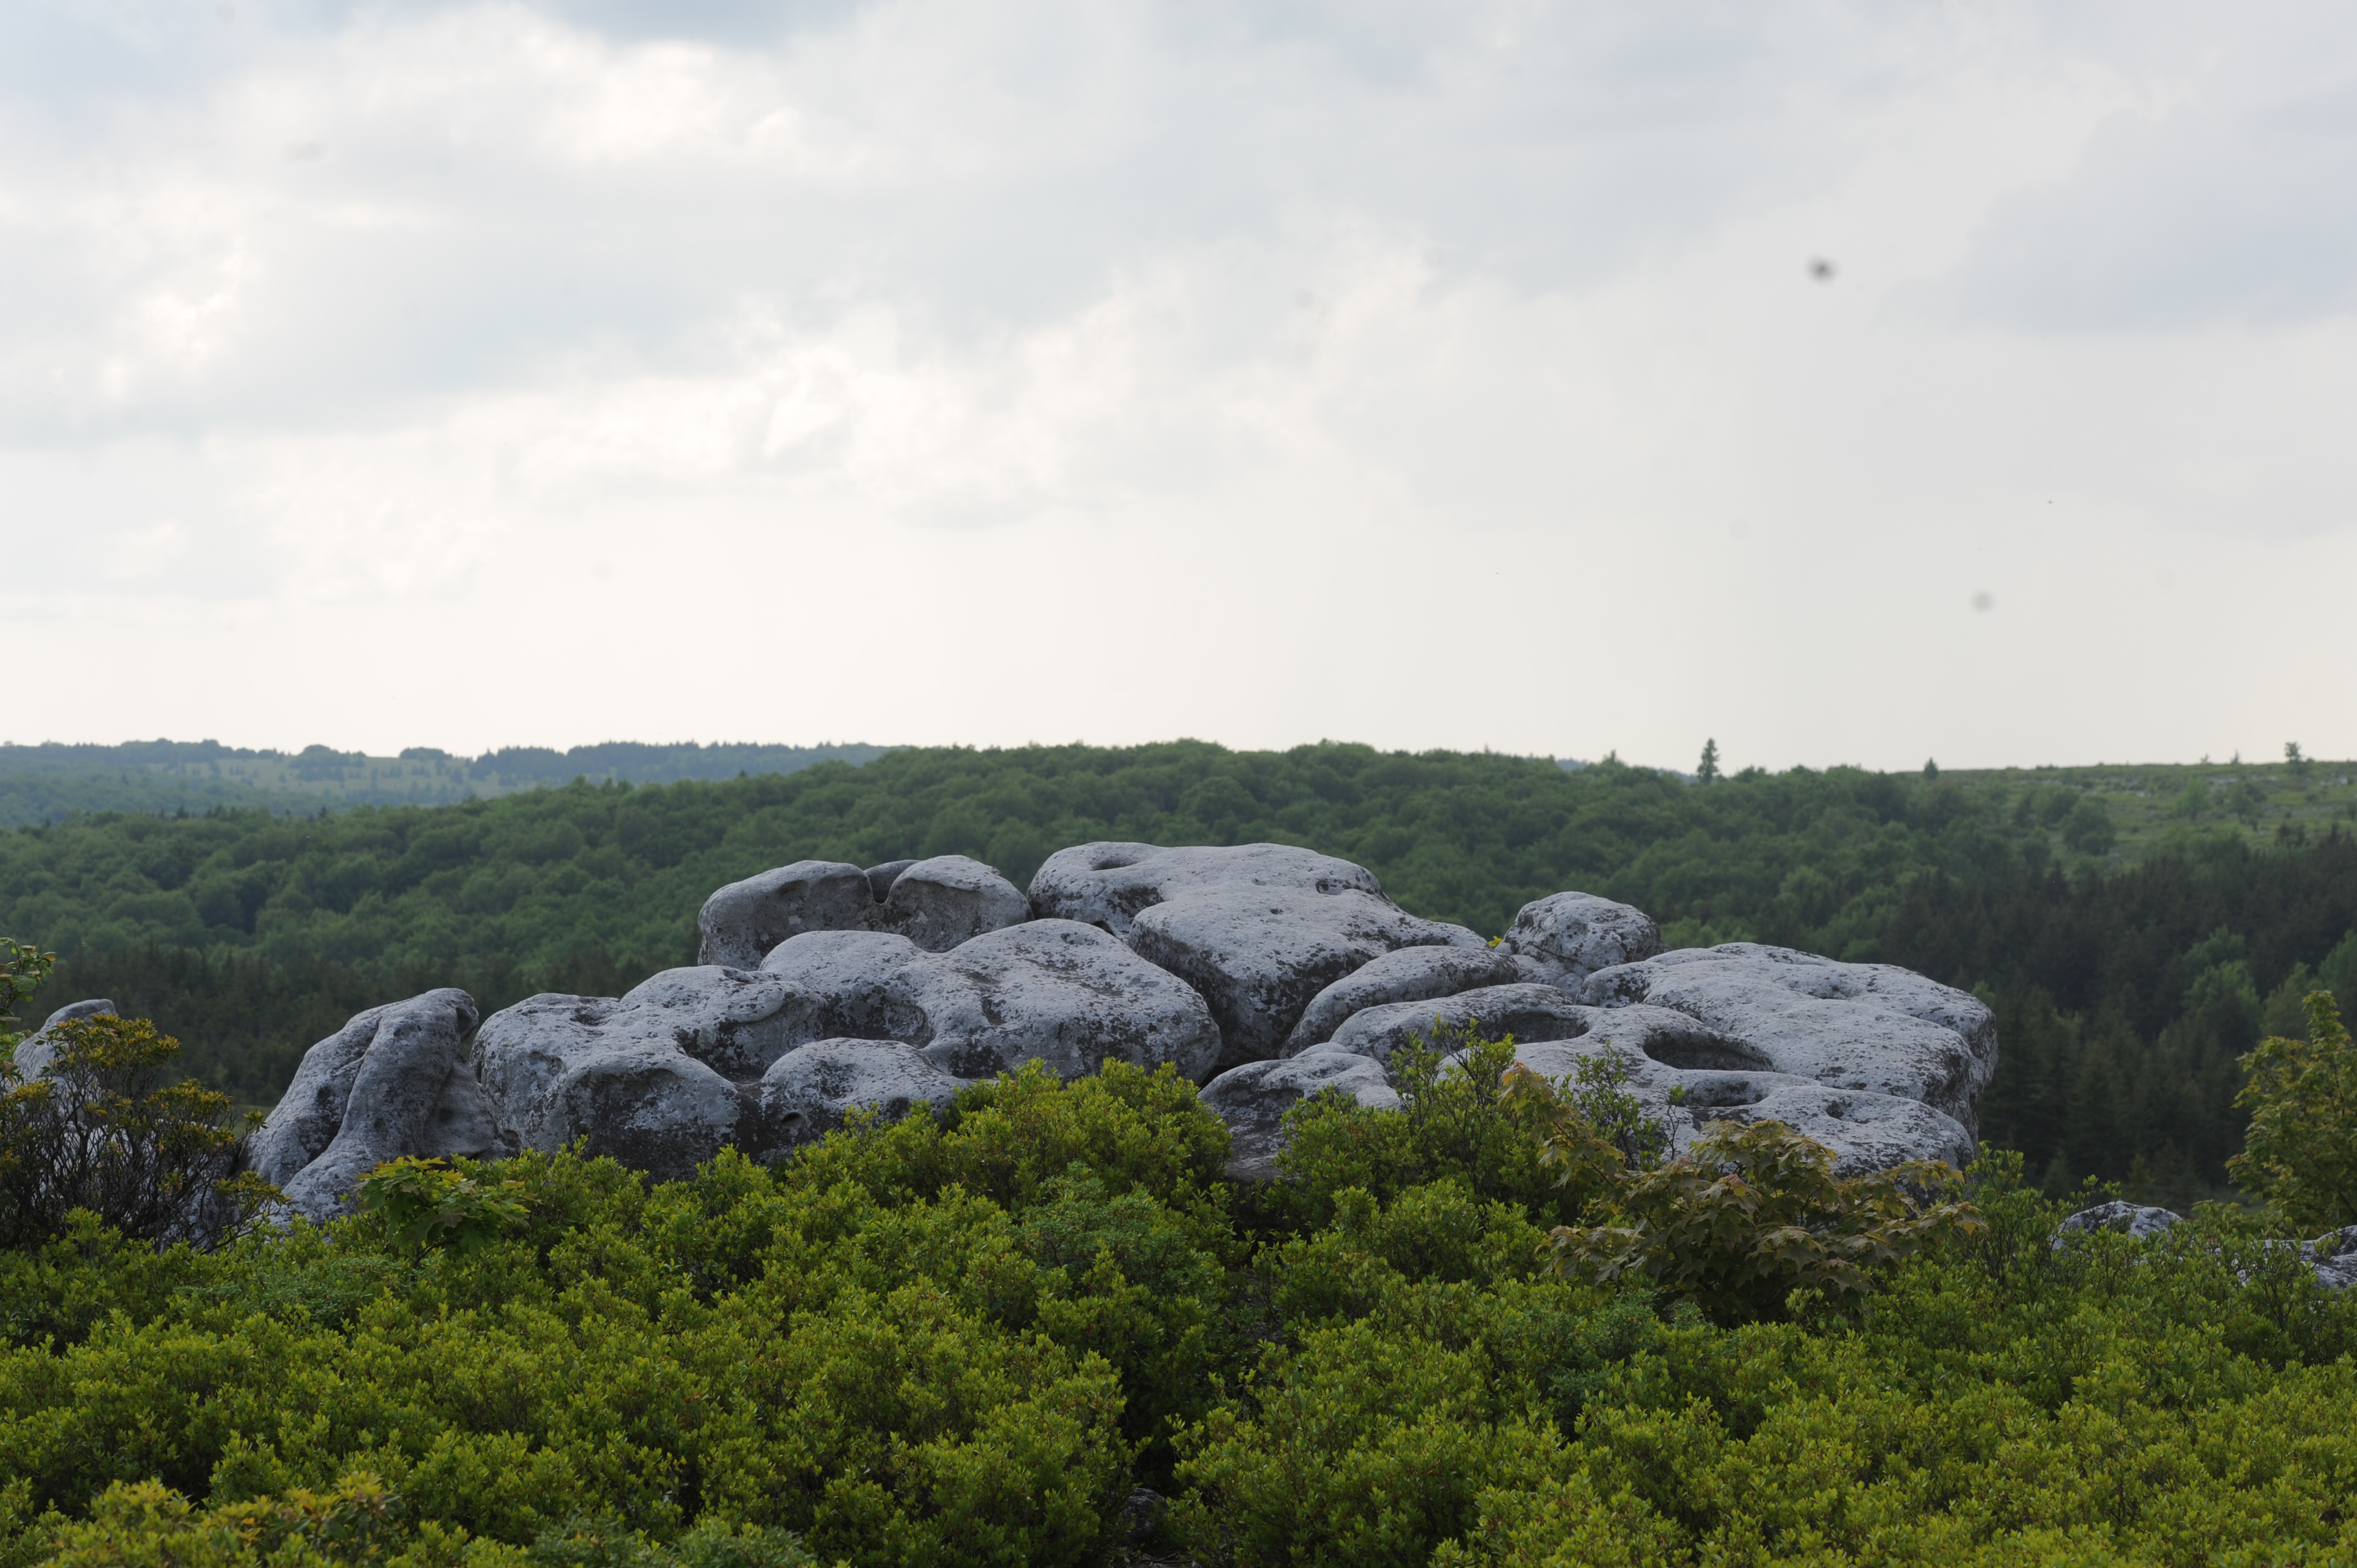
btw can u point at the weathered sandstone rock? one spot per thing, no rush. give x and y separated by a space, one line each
1064 993
692 1060
948 899
745 920
1108 885
807 1092
2133 1219
936 903
391 1083
1407 974
1525 1011
1569 936
1868 1027
828 987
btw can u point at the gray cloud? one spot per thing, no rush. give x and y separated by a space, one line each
2183 219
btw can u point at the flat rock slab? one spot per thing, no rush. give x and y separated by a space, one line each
1866 1027
1252 1100
1567 937
1407 975
936 903
1110 885
392 1083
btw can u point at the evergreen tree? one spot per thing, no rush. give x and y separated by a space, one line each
1706 770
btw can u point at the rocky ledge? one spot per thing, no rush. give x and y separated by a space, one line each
1262 972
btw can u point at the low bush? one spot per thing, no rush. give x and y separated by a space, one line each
105 1128
968 1339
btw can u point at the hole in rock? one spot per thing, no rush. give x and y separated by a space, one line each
1698 1052
1716 1093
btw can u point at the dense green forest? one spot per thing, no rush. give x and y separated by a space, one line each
2126 986
49 782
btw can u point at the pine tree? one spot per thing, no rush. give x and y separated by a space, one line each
1706 771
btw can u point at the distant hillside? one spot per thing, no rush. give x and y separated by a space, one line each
51 782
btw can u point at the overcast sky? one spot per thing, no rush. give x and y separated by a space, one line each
1845 383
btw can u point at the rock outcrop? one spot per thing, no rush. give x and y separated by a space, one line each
2137 1220
1567 936
1866 1027
691 1061
1525 1011
1110 885
1865 1132
660 1078
1264 971
392 1082
2332 1257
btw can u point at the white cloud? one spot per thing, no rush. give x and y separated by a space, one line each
480 374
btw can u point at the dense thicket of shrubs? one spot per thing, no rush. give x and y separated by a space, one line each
968 1341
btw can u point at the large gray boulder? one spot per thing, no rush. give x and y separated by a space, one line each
2137 1221
1057 992
392 1083
1567 936
936 903
744 921
948 899
660 1080
1260 955
36 1050
1407 975
1252 1100
1865 1027
809 1091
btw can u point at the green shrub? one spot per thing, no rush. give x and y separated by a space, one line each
1754 1213
1466 1122
103 1128
431 1203
965 1340
2300 1152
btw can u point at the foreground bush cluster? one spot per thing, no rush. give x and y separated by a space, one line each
970 1341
